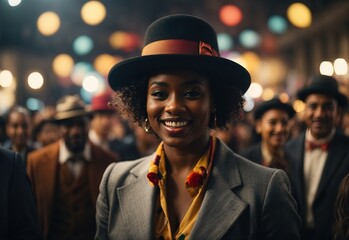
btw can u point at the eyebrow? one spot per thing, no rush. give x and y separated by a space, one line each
187 83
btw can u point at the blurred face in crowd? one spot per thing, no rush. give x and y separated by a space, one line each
75 133
320 114
18 128
48 134
102 123
274 128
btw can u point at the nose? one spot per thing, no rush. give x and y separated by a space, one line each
175 104
319 111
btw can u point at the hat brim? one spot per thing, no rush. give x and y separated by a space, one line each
305 92
220 69
59 117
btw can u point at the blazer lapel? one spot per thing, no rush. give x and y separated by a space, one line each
137 204
219 197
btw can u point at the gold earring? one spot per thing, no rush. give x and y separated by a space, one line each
147 127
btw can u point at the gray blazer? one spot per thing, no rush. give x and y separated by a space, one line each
243 201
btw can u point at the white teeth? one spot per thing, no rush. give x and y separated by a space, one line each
176 124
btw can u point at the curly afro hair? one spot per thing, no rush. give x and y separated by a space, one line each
131 101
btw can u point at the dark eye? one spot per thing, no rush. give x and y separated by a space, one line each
312 106
159 94
192 94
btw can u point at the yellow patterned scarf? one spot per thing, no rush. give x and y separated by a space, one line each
195 184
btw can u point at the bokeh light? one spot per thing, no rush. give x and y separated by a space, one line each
299 15
268 94
249 103
35 80
80 71
83 45
93 12
104 62
62 65
124 40
249 38
230 15
35 104
254 91
90 83
298 106
340 66
6 78
277 24
252 61
284 97
225 42
14 3
326 68
48 23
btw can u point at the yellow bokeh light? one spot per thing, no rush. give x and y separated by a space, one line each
252 61
298 106
62 65
268 94
284 97
104 62
299 15
93 12
48 23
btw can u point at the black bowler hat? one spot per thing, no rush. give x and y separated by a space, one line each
325 85
274 103
179 41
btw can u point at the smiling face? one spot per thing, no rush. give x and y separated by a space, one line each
273 127
179 106
320 114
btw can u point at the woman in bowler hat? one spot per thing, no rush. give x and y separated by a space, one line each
193 186
272 123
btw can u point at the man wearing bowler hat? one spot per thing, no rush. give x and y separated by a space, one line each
66 175
319 158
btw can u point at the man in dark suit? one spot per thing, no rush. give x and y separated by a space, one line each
319 158
66 175
18 216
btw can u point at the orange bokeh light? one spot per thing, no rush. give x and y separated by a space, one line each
230 15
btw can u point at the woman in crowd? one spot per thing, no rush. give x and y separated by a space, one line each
193 186
272 123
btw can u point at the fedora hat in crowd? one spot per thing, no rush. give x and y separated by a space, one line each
100 103
325 85
274 103
179 41
70 106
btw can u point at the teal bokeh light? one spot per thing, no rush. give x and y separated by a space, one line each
225 42
277 24
83 45
249 39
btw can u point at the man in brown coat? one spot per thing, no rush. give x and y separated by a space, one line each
66 174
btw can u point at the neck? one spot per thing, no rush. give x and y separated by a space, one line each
185 158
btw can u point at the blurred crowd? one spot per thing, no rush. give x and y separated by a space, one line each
87 138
